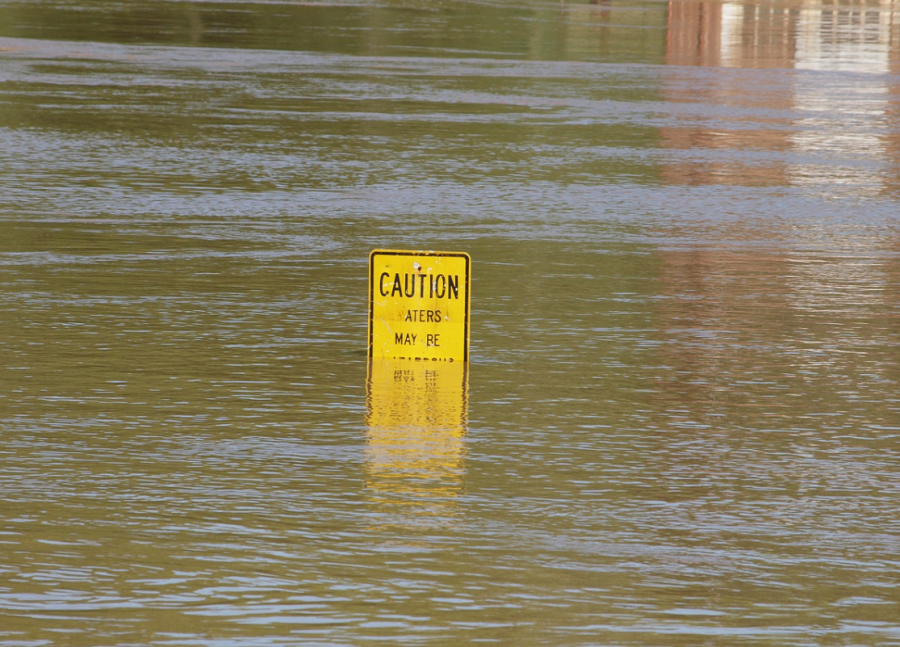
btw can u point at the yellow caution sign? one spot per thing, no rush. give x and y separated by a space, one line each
419 305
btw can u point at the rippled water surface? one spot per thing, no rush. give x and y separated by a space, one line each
680 424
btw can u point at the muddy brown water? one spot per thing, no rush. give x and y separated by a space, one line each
680 423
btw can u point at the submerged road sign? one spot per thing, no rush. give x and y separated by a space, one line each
419 305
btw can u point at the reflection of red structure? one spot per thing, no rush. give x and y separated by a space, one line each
730 34
729 313
707 34
724 312
694 33
795 112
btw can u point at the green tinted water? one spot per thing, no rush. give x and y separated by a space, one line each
680 421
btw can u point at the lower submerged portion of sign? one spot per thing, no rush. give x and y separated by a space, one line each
403 393
416 426
419 305
428 359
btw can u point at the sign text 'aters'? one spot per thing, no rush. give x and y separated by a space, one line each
419 305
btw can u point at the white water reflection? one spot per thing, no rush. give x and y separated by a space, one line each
847 119
847 36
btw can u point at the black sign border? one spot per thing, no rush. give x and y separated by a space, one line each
390 252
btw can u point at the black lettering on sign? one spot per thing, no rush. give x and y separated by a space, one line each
439 286
432 359
401 339
432 340
423 316
453 282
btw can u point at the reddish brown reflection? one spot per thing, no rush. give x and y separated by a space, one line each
812 310
803 120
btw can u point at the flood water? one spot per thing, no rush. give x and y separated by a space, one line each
680 421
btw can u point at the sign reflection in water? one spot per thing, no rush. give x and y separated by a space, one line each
416 423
